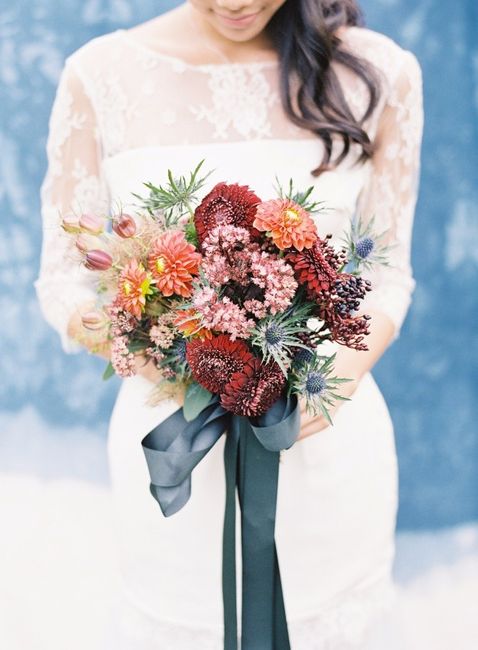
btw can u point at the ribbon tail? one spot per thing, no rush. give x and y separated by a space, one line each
264 623
229 582
281 632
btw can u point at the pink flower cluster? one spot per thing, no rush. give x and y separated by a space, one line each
162 334
121 321
222 315
230 256
122 359
276 277
226 255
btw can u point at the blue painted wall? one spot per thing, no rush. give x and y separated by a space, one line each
429 376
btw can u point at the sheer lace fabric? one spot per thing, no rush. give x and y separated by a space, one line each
115 95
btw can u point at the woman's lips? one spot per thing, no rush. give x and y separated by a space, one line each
239 21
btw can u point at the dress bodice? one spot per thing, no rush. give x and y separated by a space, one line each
124 114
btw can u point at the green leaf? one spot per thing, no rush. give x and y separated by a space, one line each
195 400
108 372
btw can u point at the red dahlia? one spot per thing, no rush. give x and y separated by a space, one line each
233 205
252 390
214 361
317 267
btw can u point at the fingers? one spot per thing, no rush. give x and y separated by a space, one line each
313 427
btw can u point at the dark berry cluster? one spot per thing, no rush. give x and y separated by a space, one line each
350 290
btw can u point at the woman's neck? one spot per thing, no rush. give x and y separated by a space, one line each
186 34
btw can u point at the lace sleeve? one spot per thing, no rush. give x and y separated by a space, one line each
73 183
390 192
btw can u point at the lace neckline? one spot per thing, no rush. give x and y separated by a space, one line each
205 67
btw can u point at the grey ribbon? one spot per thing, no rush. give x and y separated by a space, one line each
251 457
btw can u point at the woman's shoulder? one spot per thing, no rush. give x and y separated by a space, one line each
99 51
388 56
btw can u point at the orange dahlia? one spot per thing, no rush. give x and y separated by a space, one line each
173 263
134 285
189 324
289 225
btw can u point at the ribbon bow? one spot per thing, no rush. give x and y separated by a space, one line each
251 458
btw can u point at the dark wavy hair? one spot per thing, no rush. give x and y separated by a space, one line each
303 33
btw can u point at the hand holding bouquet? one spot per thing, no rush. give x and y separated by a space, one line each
229 295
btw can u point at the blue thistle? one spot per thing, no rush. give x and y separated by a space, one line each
278 336
303 355
315 382
364 247
274 335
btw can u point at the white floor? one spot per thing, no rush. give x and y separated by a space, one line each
58 568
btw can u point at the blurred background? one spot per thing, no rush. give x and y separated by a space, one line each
54 408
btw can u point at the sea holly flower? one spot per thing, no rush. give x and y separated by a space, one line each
98 260
316 384
233 205
253 389
134 285
287 223
278 337
214 361
174 360
364 246
173 264
124 226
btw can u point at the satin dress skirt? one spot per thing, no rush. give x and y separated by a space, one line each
336 512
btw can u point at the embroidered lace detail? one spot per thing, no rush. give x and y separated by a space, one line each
241 99
390 193
115 96
74 183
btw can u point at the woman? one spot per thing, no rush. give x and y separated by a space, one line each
293 88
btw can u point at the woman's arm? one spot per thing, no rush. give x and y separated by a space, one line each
73 183
390 196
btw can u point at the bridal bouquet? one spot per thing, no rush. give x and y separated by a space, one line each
228 295
232 298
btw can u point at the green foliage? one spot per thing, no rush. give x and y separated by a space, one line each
176 198
108 372
302 198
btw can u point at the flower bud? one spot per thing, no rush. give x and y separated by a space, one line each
124 226
182 221
92 223
85 243
93 320
98 260
70 223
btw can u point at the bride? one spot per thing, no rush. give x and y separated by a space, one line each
258 88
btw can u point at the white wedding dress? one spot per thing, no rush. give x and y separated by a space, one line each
124 114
